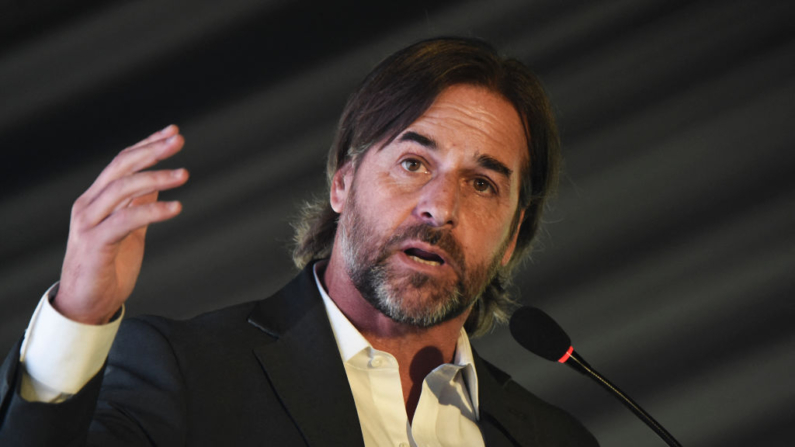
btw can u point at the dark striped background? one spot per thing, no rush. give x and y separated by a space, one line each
669 253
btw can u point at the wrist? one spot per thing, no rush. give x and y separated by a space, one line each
79 313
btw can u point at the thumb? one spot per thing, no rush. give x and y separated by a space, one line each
144 199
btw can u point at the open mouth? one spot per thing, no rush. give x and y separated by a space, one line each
424 257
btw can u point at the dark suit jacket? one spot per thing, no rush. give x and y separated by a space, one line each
260 373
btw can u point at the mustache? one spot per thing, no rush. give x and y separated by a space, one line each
441 238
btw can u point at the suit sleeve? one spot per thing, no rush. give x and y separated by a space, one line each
137 399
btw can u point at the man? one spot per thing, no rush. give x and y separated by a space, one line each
442 162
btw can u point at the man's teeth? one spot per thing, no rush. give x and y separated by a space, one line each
424 261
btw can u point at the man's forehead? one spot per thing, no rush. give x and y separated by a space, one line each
490 123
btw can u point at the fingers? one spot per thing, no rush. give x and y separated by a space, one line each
141 156
161 134
123 199
124 191
124 221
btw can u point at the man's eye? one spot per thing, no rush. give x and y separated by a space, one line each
411 165
482 185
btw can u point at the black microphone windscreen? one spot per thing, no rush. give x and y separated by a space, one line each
539 333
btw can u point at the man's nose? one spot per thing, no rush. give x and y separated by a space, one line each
439 202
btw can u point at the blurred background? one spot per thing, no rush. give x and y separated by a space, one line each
668 254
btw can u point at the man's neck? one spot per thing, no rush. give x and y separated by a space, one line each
418 351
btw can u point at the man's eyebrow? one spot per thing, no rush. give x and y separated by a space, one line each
422 140
485 161
492 164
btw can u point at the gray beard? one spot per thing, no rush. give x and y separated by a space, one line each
366 263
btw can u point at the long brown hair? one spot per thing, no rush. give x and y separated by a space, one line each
395 94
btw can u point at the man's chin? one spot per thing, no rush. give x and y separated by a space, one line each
419 302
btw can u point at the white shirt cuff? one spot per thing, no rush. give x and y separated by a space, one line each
59 356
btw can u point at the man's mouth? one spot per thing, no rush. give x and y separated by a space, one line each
424 257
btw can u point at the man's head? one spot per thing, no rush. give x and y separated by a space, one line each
405 88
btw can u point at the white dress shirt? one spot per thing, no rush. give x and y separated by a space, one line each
59 356
447 411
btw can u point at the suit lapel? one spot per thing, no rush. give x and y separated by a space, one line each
501 422
303 364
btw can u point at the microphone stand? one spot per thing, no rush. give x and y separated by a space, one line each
579 364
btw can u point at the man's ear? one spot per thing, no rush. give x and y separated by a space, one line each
341 187
512 245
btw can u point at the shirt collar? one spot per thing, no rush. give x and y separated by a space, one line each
350 342
464 358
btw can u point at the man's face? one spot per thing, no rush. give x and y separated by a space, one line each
426 219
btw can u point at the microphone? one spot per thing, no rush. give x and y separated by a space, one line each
540 334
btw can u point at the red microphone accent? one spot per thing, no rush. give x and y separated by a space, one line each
566 355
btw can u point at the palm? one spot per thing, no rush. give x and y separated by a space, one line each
130 254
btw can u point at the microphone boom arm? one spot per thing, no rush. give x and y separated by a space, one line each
579 364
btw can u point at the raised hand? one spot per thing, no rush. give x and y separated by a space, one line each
108 226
